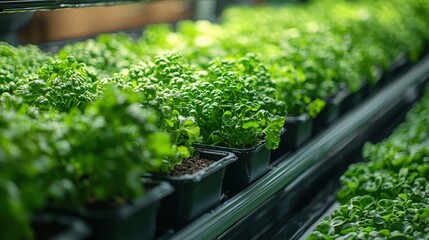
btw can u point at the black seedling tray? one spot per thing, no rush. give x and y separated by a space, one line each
399 64
331 111
369 89
194 193
298 130
351 100
51 226
251 163
134 220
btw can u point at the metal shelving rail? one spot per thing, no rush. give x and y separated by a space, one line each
36 5
321 153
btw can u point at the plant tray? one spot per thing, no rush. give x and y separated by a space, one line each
331 111
351 100
194 193
369 89
57 226
298 130
135 220
251 163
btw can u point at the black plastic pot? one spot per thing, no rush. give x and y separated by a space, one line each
55 227
298 129
331 111
194 193
134 220
398 65
251 163
354 98
421 86
351 100
368 89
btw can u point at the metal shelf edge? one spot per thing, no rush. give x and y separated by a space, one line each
37 5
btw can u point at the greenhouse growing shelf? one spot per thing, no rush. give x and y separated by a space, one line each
290 199
274 196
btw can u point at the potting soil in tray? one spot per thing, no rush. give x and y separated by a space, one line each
190 166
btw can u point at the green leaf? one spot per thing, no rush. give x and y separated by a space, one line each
366 202
159 142
250 124
184 151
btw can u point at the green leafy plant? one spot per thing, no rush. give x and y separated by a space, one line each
330 42
387 197
155 39
236 104
61 85
29 170
311 57
113 142
76 160
363 217
108 53
161 85
17 63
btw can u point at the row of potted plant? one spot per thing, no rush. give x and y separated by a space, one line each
91 119
76 161
233 103
386 197
322 56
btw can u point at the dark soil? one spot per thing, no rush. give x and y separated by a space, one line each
190 166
